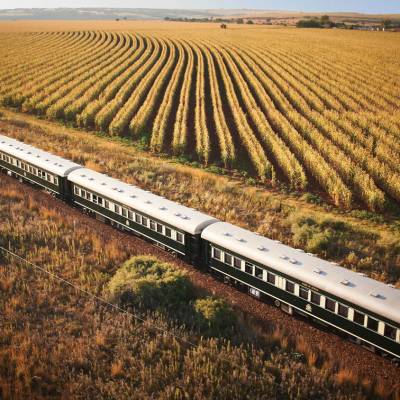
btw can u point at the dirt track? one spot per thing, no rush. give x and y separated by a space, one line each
350 356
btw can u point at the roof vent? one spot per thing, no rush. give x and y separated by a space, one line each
82 176
277 241
185 217
114 188
133 196
240 240
227 234
293 261
120 191
103 183
318 271
375 294
391 286
361 273
177 214
163 208
261 248
311 254
345 282
148 202
283 257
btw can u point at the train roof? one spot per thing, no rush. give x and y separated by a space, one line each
348 285
174 214
39 158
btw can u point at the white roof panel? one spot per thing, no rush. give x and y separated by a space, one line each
370 294
172 213
41 159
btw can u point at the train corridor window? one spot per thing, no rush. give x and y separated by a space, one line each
159 228
237 262
56 181
76 190
130 215
144 221
271 278
216 254
359 318
248 268
152 225
227 259
100 201
330 305
258 272
138 218
117 208
106 204
372 324
289 286
343 311
179 237
124 212
303 293
390 332
168 232
94 199
315 298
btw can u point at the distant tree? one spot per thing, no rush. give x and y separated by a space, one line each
250 22
240 21
325 20
117 19
387 23
309 23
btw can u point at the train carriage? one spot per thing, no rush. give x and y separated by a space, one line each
164 222
35 166
363 308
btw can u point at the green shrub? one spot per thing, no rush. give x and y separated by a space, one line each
312 198
214 317
146 282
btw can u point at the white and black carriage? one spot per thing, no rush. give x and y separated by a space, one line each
363 308
40 168
166 223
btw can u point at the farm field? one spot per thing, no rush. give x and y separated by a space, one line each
312 110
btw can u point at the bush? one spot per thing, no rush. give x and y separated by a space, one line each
327 237
214 317
146 282
312 198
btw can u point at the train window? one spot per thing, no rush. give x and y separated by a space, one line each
330 305
130 215
138 218
117 208
152 225
168 232
179 237
56 181
390 332
124 212
228 259
258 272
76 190
216 254
248 268
290 286
343 310
271 278
373 324
94 199
159 228
237 262
144 221
315 298
106 204
359 318
303 293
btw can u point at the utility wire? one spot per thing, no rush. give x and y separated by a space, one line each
98 298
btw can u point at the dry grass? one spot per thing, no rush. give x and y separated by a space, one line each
57 343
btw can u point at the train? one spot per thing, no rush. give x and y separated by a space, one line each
347 302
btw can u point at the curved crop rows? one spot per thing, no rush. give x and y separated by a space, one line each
282 111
